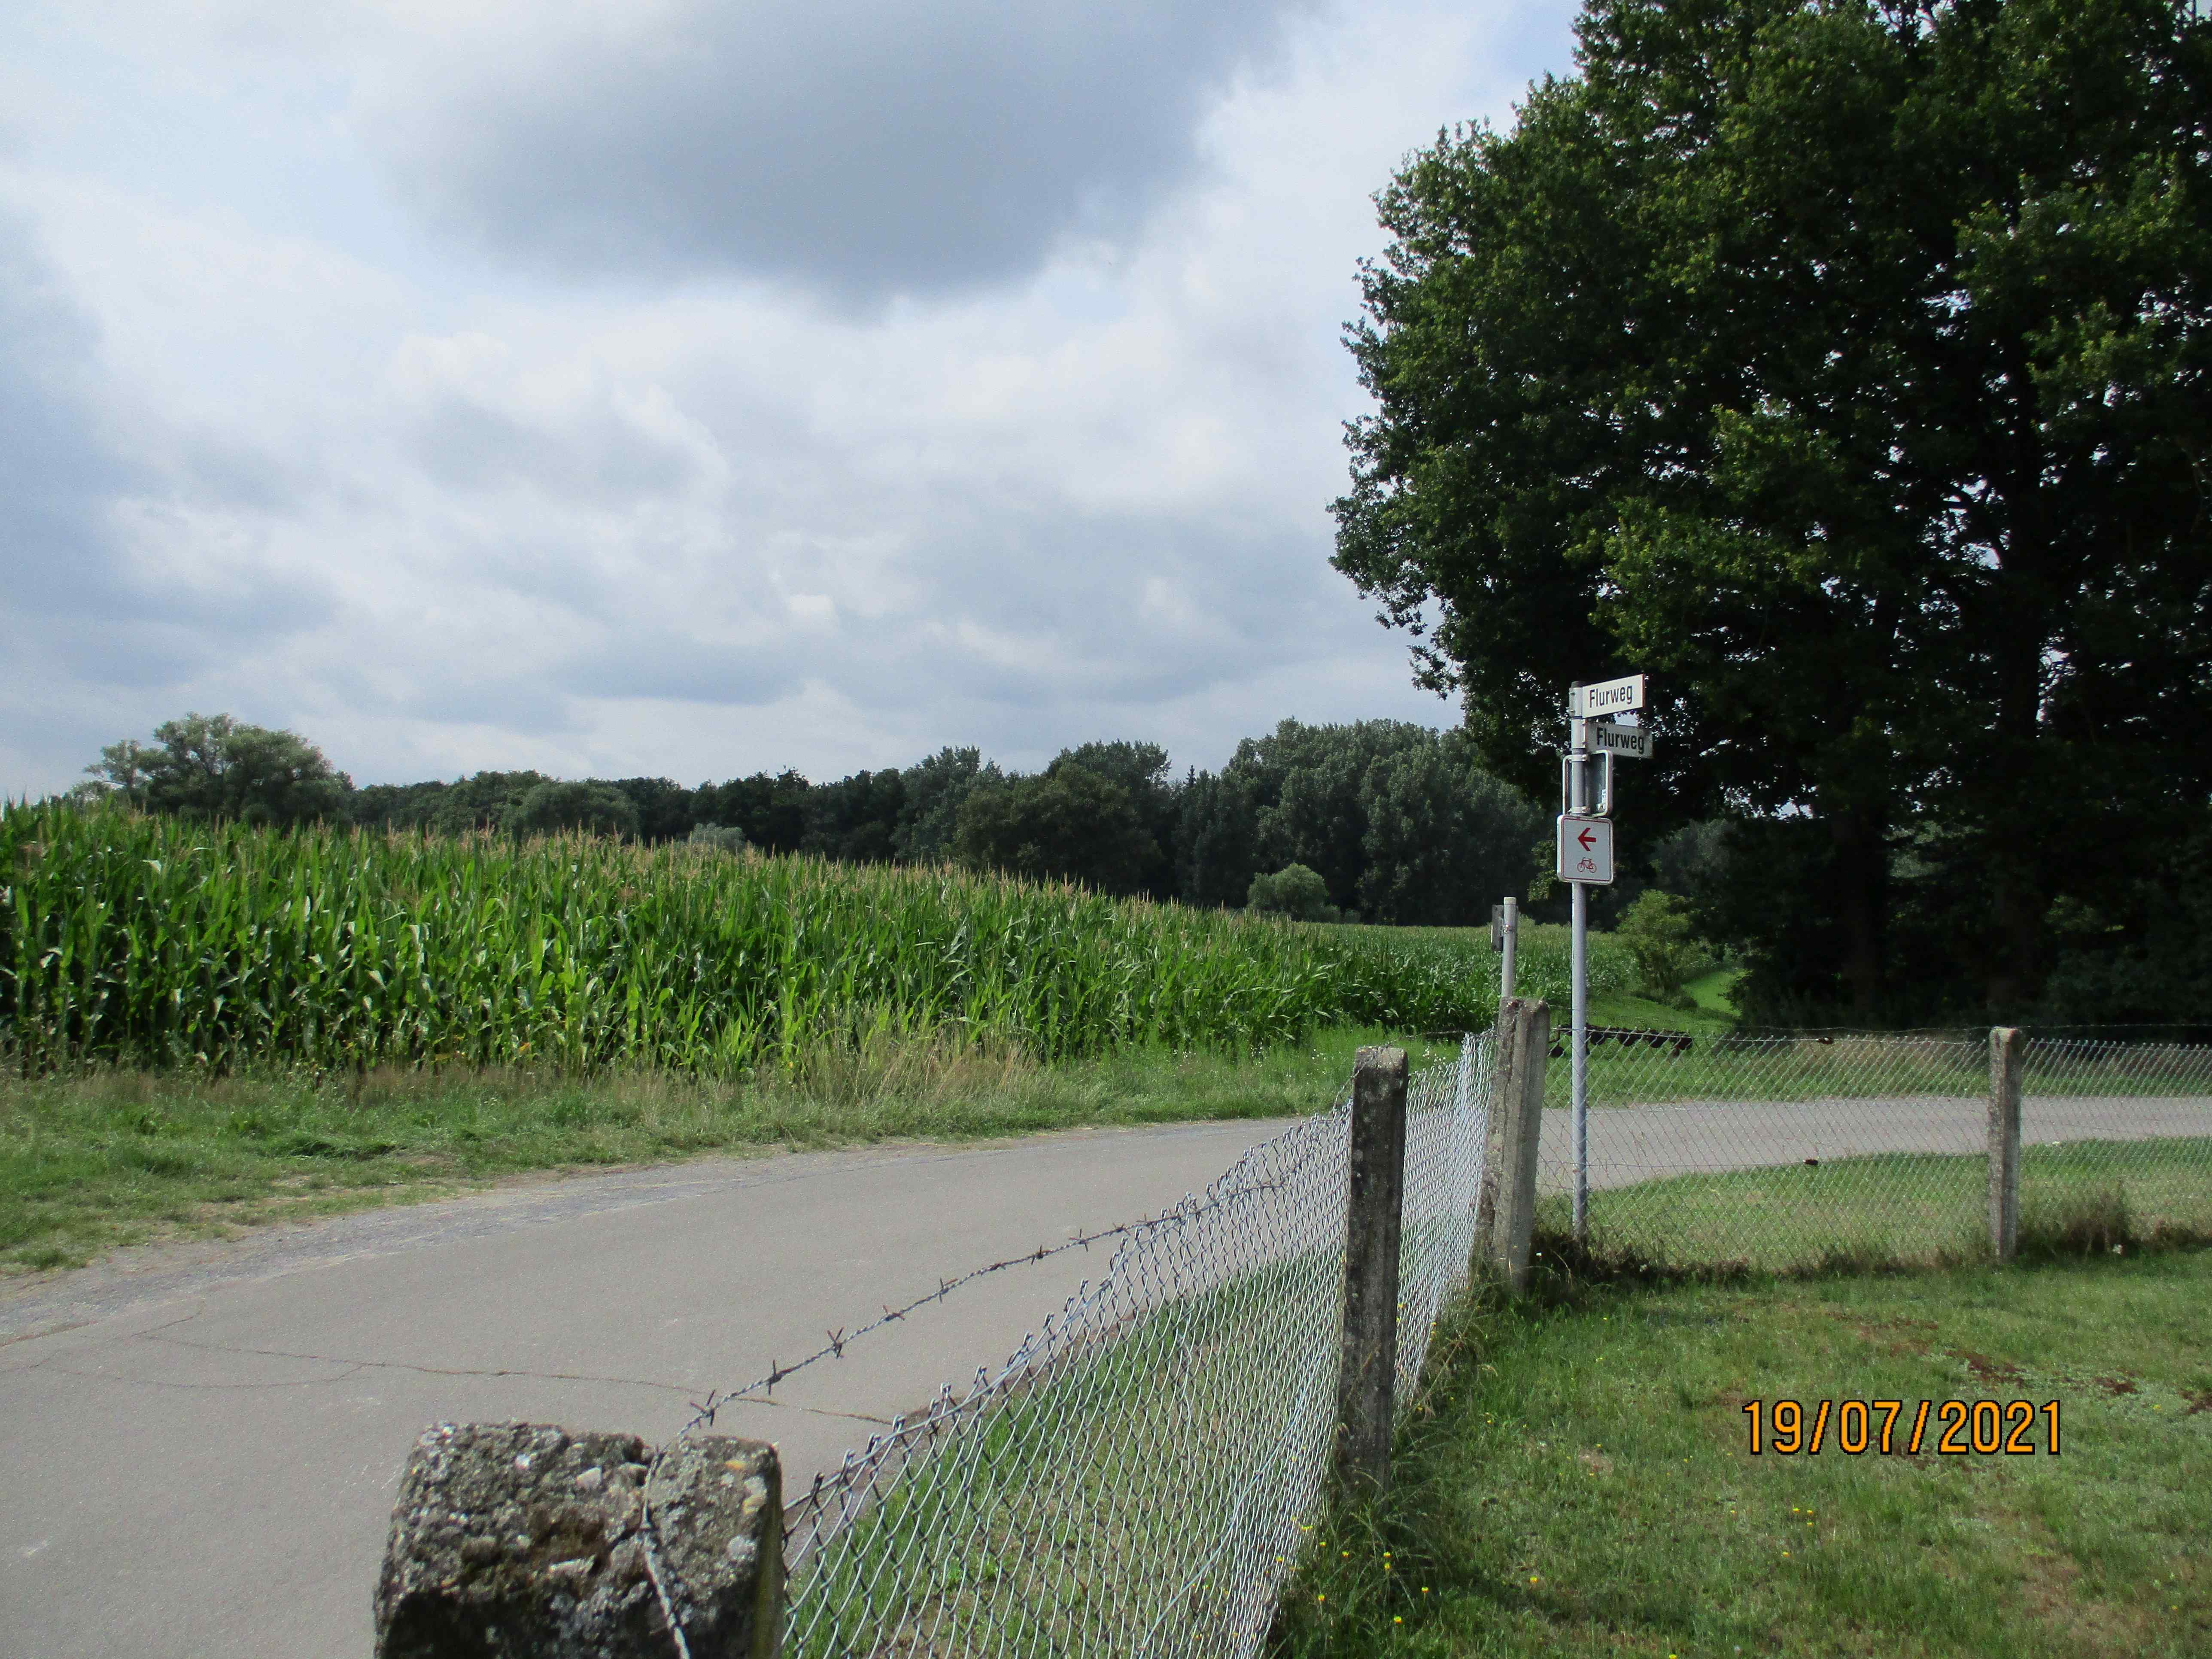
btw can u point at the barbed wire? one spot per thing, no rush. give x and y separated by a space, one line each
839 1339
1134 1477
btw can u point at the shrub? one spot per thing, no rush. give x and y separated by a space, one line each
1294 891
597 809
1656 930
716 838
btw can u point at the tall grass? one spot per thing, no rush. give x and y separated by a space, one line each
1543 965
159 942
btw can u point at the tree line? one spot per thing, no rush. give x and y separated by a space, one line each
1376 820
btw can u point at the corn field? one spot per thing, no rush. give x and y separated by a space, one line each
162 942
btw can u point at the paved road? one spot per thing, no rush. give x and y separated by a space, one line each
201 1444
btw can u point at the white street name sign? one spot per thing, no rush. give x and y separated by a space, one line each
1623 742
1605 697
1586 850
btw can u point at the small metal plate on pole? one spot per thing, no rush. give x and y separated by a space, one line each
1586 850
1620 742
1619 696
1498 927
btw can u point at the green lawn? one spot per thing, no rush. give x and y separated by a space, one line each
1625 1009
90 1162
1899 1208
1578 1480
1714 993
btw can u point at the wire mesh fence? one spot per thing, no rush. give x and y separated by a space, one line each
1787 1150
1135 1479
2116 1137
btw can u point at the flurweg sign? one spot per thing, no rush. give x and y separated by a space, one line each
1605 697
1621 742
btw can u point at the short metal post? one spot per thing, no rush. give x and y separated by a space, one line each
1512 930
1366 1385
2007 1051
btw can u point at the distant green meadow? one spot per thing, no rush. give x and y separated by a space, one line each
162 943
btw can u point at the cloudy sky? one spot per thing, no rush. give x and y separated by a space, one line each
697 386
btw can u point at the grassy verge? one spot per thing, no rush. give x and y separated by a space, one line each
1624 1008
104 1158
1901 1208
1712 1011
1714 993
1579 1479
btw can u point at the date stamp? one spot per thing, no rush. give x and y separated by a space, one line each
1950 1428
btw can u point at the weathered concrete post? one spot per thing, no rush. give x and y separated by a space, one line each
520 1540
1505 1209
1374 1216
2007 1049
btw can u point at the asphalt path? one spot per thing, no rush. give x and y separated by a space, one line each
202 1443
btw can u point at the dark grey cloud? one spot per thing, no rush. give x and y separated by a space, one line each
864 147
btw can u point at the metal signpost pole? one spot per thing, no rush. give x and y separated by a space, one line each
1594 738
1512 950
1578 803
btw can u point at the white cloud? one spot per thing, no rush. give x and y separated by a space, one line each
440 513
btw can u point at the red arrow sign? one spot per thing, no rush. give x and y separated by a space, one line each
1584 840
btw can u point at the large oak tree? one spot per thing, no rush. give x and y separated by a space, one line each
1845 365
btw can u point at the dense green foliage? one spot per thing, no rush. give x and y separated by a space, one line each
164 941
209 766
1447 956
1068 822
1401 823
1294 892
1848 366
597 809
1655 931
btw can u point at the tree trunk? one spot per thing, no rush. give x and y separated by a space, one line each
2015 789
2014 975
1862 894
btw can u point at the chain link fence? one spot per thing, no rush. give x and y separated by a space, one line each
1796 1151
1135 1479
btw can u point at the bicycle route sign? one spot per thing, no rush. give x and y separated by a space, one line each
1585 849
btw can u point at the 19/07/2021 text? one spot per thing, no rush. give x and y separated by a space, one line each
1986 1426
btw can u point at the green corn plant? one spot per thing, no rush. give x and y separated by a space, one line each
162 942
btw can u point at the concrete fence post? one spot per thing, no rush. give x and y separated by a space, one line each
522 1541
2007 1050
1366 1385
1505 1209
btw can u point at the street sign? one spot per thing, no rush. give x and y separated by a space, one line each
1621 742
1498 928
1586 850
1605 697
